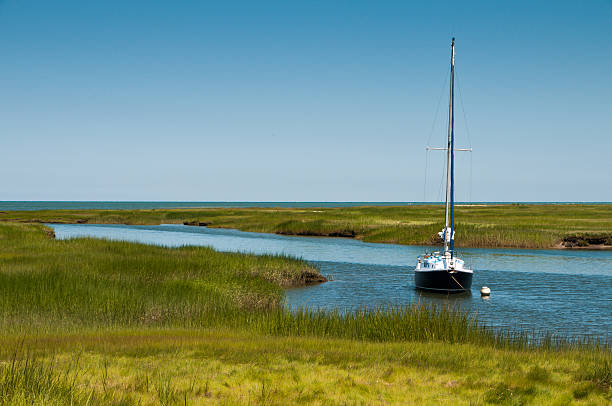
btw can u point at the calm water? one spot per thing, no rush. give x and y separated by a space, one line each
101 205
568 292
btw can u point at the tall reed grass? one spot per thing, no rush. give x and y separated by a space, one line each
126 293
27 380
57 286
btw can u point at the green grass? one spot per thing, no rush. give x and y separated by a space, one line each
27 380
220 366
510 226
89 321
89 282
51 285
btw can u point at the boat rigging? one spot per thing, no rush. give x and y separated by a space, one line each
445 272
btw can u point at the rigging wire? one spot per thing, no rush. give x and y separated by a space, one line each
442 179
465 122
425 183
470 188
467 131
433 125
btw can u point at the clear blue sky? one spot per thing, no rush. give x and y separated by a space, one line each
313 100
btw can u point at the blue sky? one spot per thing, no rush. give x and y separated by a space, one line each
303 101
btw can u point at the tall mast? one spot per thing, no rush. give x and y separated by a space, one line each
450 163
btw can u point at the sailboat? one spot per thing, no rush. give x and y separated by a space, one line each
445 271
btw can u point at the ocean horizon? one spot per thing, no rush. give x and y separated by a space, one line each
29 205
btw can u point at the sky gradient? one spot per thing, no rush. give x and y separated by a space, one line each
303 101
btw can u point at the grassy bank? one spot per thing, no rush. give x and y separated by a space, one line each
90 321
178 367
510 226
47 283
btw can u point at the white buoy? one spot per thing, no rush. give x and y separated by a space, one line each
485 291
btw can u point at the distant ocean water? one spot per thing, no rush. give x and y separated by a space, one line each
110 205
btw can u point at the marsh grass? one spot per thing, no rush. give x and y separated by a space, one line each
226 366
90 282
90 322
48 285
491 226
598 373
28 380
